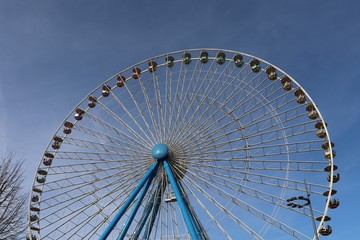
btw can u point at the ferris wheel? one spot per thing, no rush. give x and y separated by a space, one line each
193 144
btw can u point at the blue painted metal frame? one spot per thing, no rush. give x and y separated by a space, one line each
152 208
194 227
144 218
197 224
188 217
135 208
152 220
128 202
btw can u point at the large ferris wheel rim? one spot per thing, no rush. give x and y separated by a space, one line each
194 57
192 50
196 50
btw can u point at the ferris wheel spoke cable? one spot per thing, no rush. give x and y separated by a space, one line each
118 182
83 195
279 115
240 167
103 123
173 219
261 106
141 113
225 183
99 156
279 165
262 178
159 106
95 179
75 190
204 95
228 185
187 124
194 96
68 217
168 102
92 145
282 226
130 129
93 167
253 135
155 126
174 104
104 159
211 216
258 131
132 118
252 156
224 210
266 150
73 178
89 167
193 85
94 176
179 100
225 115
178 126
312 145
232 95
104 137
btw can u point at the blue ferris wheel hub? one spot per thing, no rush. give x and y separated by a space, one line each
160 151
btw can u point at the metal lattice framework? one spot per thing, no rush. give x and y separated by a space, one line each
245 153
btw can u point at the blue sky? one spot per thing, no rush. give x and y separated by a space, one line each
52 53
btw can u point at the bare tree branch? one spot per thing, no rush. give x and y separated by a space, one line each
12 199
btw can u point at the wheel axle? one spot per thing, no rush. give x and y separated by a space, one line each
160 151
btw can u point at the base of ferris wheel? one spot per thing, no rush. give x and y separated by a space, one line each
163 156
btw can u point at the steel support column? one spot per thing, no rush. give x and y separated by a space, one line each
186 213
129 200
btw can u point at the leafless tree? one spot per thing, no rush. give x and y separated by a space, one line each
12 199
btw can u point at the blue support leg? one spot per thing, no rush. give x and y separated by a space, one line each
128 202
153 215
135 208
143 219
196 222
199 228
152 205
152 220
188 218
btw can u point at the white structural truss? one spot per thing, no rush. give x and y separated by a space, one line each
249 156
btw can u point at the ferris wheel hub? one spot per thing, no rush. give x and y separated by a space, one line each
160 151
